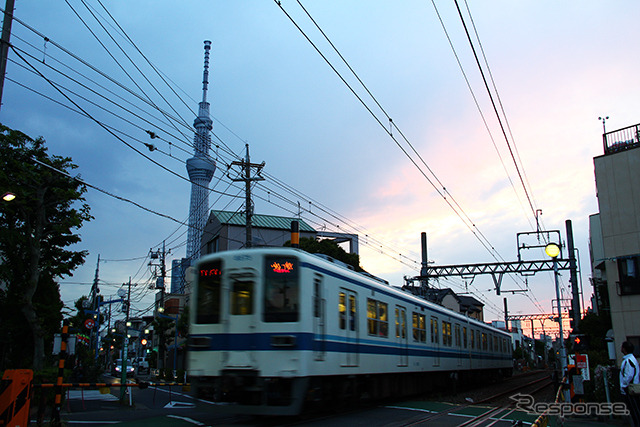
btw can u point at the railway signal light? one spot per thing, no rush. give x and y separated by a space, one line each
580 343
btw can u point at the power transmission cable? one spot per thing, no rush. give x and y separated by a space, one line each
103 126
85 63
495 89
520 175
477 104
114 58
484 79
471 226
184 122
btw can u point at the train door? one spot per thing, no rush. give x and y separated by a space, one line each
402 336
242 316
319 321
435 340
348 327
458 343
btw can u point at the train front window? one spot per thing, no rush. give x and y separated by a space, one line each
208 305
281 289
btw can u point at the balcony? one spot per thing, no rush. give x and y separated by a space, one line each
621 139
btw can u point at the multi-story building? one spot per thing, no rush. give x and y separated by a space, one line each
615 233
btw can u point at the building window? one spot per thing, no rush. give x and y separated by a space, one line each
629 273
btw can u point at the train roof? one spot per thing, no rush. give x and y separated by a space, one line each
366 279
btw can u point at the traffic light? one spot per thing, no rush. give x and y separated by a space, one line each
143 341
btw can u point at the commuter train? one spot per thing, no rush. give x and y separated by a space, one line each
274 330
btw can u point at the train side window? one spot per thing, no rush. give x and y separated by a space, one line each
281 289
342 310
353 313
419 327
242 295
317 296
446 334
209 284
377 318
471 336
484 341
434 330
478 341
401 323
464 336
495 343
383 316
457 335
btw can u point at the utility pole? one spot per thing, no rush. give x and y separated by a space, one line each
95 332
160 285
245 168
4 42
125 350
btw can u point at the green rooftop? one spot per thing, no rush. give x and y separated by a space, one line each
261 221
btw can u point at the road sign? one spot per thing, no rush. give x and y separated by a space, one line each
89 323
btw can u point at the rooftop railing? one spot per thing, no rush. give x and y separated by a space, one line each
621 139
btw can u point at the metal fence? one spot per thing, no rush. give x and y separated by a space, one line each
621 139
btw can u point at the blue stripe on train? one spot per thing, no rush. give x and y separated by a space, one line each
332 344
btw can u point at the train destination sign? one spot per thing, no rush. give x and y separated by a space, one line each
285 267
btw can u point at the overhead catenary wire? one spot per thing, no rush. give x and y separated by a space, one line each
441 189
315 205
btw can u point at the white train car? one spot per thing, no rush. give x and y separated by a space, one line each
275 328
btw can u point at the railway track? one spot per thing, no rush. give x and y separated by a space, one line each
502 407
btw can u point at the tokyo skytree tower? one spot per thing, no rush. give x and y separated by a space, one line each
200 168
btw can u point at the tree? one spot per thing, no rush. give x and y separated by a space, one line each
331 248
37 228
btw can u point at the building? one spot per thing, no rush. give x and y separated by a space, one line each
226 231
464 304
615 233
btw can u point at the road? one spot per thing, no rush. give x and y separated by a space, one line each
171 406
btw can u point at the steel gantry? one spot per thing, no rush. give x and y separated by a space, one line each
497 270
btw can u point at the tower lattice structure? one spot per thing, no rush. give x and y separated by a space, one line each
200 168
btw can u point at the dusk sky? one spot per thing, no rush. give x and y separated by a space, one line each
557 67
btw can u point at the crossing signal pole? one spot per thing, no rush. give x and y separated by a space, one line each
245 174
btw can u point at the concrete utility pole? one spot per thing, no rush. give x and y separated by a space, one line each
573 278
4 42
245 168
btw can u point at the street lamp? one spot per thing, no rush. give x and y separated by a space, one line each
553 250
